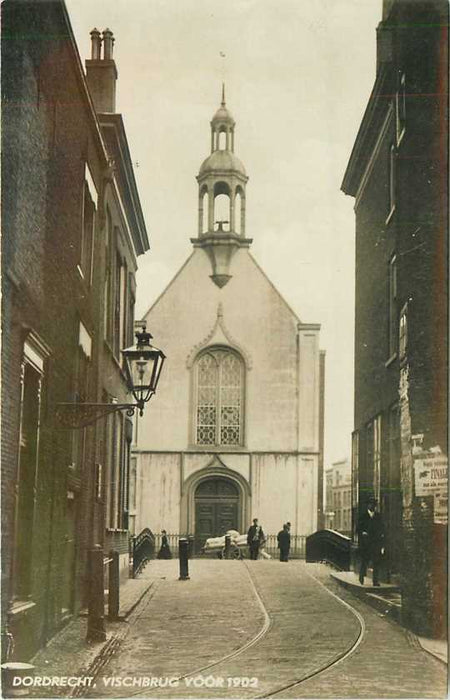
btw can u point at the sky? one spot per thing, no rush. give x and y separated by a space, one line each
298 75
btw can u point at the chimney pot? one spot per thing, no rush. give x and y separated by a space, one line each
96 43
101 72
108 43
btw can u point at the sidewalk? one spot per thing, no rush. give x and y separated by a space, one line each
386 598
68 654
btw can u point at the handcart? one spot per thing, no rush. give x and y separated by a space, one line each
216 545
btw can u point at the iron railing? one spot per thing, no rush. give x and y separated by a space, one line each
329 546
142 550
297 550
172 539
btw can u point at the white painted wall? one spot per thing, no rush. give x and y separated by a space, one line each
282 399
262 325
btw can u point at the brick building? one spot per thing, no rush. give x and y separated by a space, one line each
72 230
338 497
398 174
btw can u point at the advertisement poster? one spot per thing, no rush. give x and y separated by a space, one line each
223 317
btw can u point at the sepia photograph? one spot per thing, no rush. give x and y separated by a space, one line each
225 331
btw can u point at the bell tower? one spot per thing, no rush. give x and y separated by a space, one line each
221 198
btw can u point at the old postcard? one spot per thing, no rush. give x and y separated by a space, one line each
225 348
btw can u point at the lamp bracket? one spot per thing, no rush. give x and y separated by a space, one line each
75 416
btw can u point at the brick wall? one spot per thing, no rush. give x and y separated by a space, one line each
48 133
416 234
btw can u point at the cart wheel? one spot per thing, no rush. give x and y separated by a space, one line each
236 553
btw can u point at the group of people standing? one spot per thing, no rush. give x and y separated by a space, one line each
256 540
370 531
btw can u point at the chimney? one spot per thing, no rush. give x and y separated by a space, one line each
101 72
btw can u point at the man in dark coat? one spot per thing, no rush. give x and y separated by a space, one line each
255 537
371 541
284 542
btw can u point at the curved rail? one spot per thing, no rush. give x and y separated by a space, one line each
254 640
262 632
325 667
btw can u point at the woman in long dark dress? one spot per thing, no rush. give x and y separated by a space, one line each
164 552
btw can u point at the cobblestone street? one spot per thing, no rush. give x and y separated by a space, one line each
256 629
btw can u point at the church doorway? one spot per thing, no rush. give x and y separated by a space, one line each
217 509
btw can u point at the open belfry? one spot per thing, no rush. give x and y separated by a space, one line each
236 432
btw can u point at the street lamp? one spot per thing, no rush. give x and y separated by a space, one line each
143 365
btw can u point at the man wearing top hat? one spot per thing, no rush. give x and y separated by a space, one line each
371 540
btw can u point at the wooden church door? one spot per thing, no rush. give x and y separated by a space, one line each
216 509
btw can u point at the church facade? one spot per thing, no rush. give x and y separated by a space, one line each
235 431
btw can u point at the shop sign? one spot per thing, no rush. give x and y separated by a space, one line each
431 479
431 475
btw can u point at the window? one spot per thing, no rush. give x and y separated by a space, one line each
400 108
130 314
393 318
120 306
391 182
124 291
114 444
108 278
374 454
31 383
117 305
83 363
403 333
219 398
394 447
88 226
377 458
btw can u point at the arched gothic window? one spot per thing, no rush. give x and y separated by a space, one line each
219 400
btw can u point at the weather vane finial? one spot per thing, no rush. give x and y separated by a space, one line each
223 94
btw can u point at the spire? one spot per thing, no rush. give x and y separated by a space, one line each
223 95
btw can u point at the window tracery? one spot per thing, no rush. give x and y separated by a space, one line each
219 398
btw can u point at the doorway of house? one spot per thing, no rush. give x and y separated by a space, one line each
217 509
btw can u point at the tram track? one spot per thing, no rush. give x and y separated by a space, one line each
227 657
324 668
256 639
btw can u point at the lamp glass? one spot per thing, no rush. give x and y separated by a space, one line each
143 367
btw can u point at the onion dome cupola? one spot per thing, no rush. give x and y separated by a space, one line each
221 206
